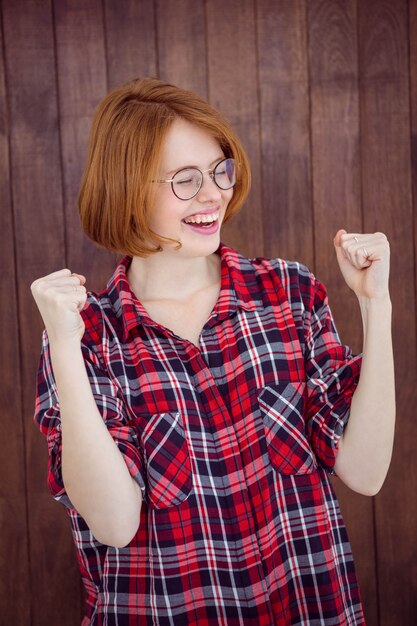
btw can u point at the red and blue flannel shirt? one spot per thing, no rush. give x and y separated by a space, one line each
231 443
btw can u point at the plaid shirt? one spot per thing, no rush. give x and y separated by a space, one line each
231 444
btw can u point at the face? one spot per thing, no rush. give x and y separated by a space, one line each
187 145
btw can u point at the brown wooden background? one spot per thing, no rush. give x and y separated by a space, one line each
324 96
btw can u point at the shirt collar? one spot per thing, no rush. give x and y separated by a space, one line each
234 294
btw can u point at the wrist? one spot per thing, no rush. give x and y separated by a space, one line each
379 304
376 316
69 369
65 347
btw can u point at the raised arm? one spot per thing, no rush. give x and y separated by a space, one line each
365 449
95 474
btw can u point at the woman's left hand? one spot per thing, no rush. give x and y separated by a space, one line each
364 262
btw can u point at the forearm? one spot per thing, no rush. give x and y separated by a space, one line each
95 474
366 446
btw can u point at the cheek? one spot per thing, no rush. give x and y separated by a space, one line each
227 196
166 208
166 216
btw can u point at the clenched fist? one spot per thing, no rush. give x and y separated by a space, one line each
364 260
60 297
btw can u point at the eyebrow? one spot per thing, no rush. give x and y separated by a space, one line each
184 167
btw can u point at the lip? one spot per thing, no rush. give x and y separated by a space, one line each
209 211
204 230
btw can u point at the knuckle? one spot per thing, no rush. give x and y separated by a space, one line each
382 237
48 290
38 283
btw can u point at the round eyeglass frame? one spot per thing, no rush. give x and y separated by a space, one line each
211 172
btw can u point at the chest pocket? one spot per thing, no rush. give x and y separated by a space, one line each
167 460
282 408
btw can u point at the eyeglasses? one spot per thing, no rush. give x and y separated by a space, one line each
186 183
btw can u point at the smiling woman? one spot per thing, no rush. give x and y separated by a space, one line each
132 127
195 408
193 198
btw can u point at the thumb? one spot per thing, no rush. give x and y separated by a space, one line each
81 277
338 245
337 237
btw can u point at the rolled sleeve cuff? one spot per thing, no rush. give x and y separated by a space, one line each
329 409
126 440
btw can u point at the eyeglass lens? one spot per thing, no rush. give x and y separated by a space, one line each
187 182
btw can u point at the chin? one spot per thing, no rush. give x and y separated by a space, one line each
208 246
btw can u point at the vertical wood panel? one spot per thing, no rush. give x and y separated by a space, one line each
81 67
337 204
284 99
14 557
131 45
232 53
412 470
385 128
181 44
37 202
413 113
335 138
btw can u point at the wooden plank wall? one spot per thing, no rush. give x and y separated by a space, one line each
324 96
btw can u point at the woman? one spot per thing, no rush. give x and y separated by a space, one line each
195 407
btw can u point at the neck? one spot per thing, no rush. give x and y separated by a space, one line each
172 276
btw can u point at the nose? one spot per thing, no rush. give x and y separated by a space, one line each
208 190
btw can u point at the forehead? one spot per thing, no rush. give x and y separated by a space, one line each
188 144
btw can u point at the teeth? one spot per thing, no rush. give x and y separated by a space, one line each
205 219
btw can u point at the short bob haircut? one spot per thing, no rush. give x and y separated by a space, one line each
116 194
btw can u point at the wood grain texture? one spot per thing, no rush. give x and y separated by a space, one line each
412 468
14 549
39 236
285 136
335 139
232 48
413 127
336 184
386 185
181 44
131 40
81 67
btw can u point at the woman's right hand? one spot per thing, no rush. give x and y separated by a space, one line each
60 297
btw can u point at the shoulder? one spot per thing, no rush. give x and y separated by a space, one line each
291 279
286 270
289 273
100 320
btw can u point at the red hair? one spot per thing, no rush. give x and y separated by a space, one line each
126 141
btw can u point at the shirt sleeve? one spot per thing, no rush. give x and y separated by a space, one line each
109 402
332 373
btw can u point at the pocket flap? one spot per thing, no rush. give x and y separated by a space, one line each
282 407
167 460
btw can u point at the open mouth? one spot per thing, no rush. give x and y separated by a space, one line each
201 224
203 228
208 222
